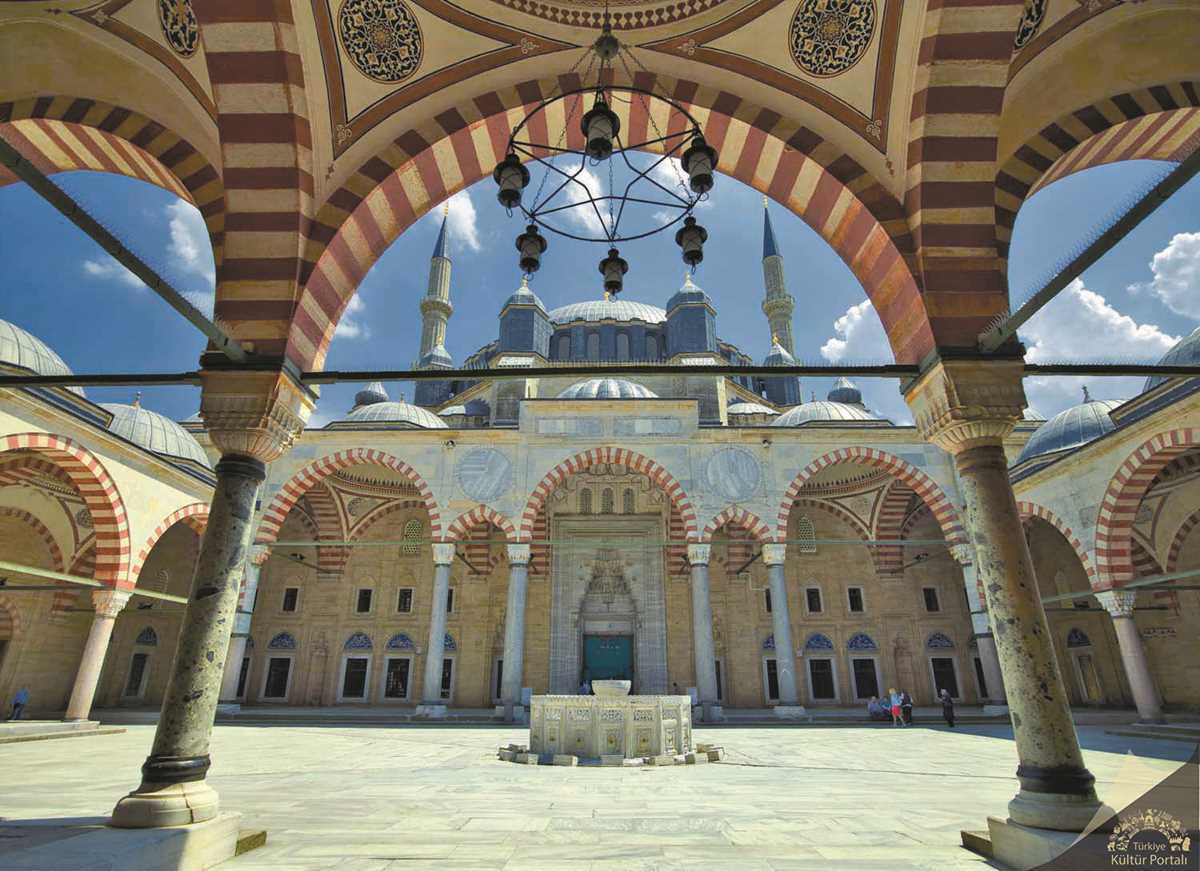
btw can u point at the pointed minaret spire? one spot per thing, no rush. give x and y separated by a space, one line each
439 248
778 304
435 313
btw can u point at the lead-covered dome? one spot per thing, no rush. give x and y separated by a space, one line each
1072 428
523 295
822 410
24 350
399 414
750 408
608 310
607 388
155 433
1186 352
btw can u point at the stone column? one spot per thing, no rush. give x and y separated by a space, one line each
964 554
785 651
1119 605
228 698
252 418
108 604
431 687
514 632
702 634
967 407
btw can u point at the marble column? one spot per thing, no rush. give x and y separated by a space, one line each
702 633
1119 605
108 604
431 686
981 629
785 651
967 407
228 697
514 631
173 789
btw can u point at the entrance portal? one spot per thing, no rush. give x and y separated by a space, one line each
608 657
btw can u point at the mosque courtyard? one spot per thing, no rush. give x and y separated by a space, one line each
366 798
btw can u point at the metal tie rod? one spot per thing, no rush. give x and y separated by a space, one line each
996 335
79 216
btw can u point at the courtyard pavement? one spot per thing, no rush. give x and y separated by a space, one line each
366 798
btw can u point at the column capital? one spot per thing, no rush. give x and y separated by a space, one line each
1118 603
774 554
259 554
109 603
255 414
443 553
698 554
963 404
963 553
518 553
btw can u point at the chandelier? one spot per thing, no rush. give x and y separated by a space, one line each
654 192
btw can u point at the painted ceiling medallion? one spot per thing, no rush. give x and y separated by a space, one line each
179 26
1031 22
828 37
382 38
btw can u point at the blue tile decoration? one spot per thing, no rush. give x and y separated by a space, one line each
282 641
817 641
448 642
769 644
939 641
148 637
400 641
358 641
1078 638
861 641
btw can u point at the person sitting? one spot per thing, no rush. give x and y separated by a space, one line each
585 688
876 710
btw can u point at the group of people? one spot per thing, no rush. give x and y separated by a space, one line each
898 706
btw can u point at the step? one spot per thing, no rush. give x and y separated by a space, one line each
979 842
249 839
50 736
1184 732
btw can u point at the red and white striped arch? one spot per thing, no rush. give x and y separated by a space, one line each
925 487
378 514
740 517
100 494
1118 509
889 524
480 514
633 461
194 515
1030 510
1179 539
793 165
41 531
316 471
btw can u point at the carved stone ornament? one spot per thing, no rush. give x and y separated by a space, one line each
518 553
259 554
963 554
774 554
1118 603
698 554
255 414
443 553
109 603
828 37
962 404
382 37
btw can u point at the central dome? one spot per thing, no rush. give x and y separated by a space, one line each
607 388
608 310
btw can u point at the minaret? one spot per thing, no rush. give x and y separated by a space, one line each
778 304
435 312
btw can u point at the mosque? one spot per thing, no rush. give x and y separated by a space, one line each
494 538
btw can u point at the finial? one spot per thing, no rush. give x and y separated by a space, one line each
607 296
525 282
137 399
1086 396
766 201
445 208
774 338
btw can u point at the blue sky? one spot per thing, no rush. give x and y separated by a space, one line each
64 289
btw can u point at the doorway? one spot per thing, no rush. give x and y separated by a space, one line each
608 657
1091 690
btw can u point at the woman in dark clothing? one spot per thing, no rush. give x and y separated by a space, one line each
947 707
906 706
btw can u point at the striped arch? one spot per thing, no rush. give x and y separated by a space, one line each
1178 540
733 515
318 470
59 133
375 516
100 494
480 514
323 506
958 93
1155 123
40 530
254 62
189 514
1118 509
805 173
28 469
837 511
889 524
922 484
1029 510
617 456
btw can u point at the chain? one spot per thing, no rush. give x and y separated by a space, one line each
675 167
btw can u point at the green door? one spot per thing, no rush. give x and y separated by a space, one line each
608 657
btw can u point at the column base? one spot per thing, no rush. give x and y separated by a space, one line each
708 713
1055 811
1024 847
995 710
155 805
515 714
229 707
431 711
789 712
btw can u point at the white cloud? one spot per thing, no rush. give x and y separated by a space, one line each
1176 280
584 215
462 221
350 327
201 299
109 268
190 246
859 337
1080 324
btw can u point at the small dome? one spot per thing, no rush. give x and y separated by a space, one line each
399 413
1072 428
844 391
1032 413
607 388
750 408
473 407
524 296
608 310
437 357
778 355
688 293
1186 352
371 394
155 433
822 411
26 351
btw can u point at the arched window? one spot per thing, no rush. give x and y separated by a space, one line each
627 502
651 348
564 348
622 346
147 637
585 501
806 536
593 346
412 538
606 501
